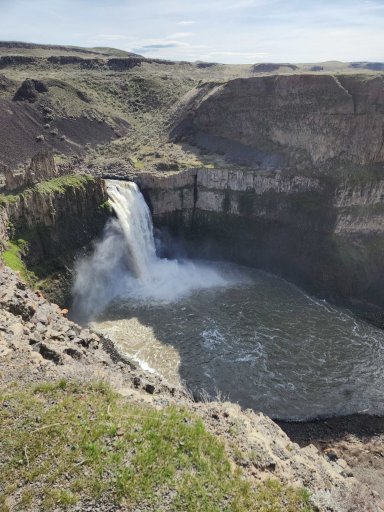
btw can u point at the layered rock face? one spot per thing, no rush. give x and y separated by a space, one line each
307 119
325 236
57 222
42 167
311 204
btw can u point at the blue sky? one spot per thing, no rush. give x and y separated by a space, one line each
241 31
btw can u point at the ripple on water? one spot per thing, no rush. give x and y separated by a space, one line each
260 341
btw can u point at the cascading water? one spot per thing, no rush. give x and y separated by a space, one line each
136 225
124 263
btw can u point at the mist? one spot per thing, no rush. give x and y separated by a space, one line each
124 263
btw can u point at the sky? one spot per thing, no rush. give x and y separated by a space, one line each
241 31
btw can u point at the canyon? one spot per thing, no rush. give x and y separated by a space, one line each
279 172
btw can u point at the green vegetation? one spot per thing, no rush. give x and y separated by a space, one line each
55 185
66 443
12 257
6 199
63 183
106 205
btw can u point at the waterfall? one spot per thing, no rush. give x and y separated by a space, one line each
124 265
136 224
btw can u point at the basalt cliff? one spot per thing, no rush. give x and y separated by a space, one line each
47 218
300 121
309 205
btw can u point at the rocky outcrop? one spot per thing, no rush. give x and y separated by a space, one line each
325 235
124 64
58 220
41 168
36 334
374 66
17 60
271 67
29 90
5 83
4 223
12 180
50 225
65 60
306 120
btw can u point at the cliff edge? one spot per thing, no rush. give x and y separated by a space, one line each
297 120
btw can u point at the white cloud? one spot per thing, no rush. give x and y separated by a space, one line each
111 37
180 35
229 31
164 45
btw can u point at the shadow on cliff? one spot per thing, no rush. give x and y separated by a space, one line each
324 431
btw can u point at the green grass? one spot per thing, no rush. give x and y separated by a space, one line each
12 257
61 184
65 443
6 199
49 276
56 185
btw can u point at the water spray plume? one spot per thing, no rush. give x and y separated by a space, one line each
124 263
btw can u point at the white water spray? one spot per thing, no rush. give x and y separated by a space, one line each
124 264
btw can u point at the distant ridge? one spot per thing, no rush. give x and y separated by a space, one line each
103 51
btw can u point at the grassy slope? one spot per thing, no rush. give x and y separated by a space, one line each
63 443
12 258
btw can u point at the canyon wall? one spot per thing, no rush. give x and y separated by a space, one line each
306 120
325 236
311 204
57 220
50 224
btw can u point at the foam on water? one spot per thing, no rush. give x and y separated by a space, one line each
124 263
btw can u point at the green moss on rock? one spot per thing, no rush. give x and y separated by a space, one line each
12 257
